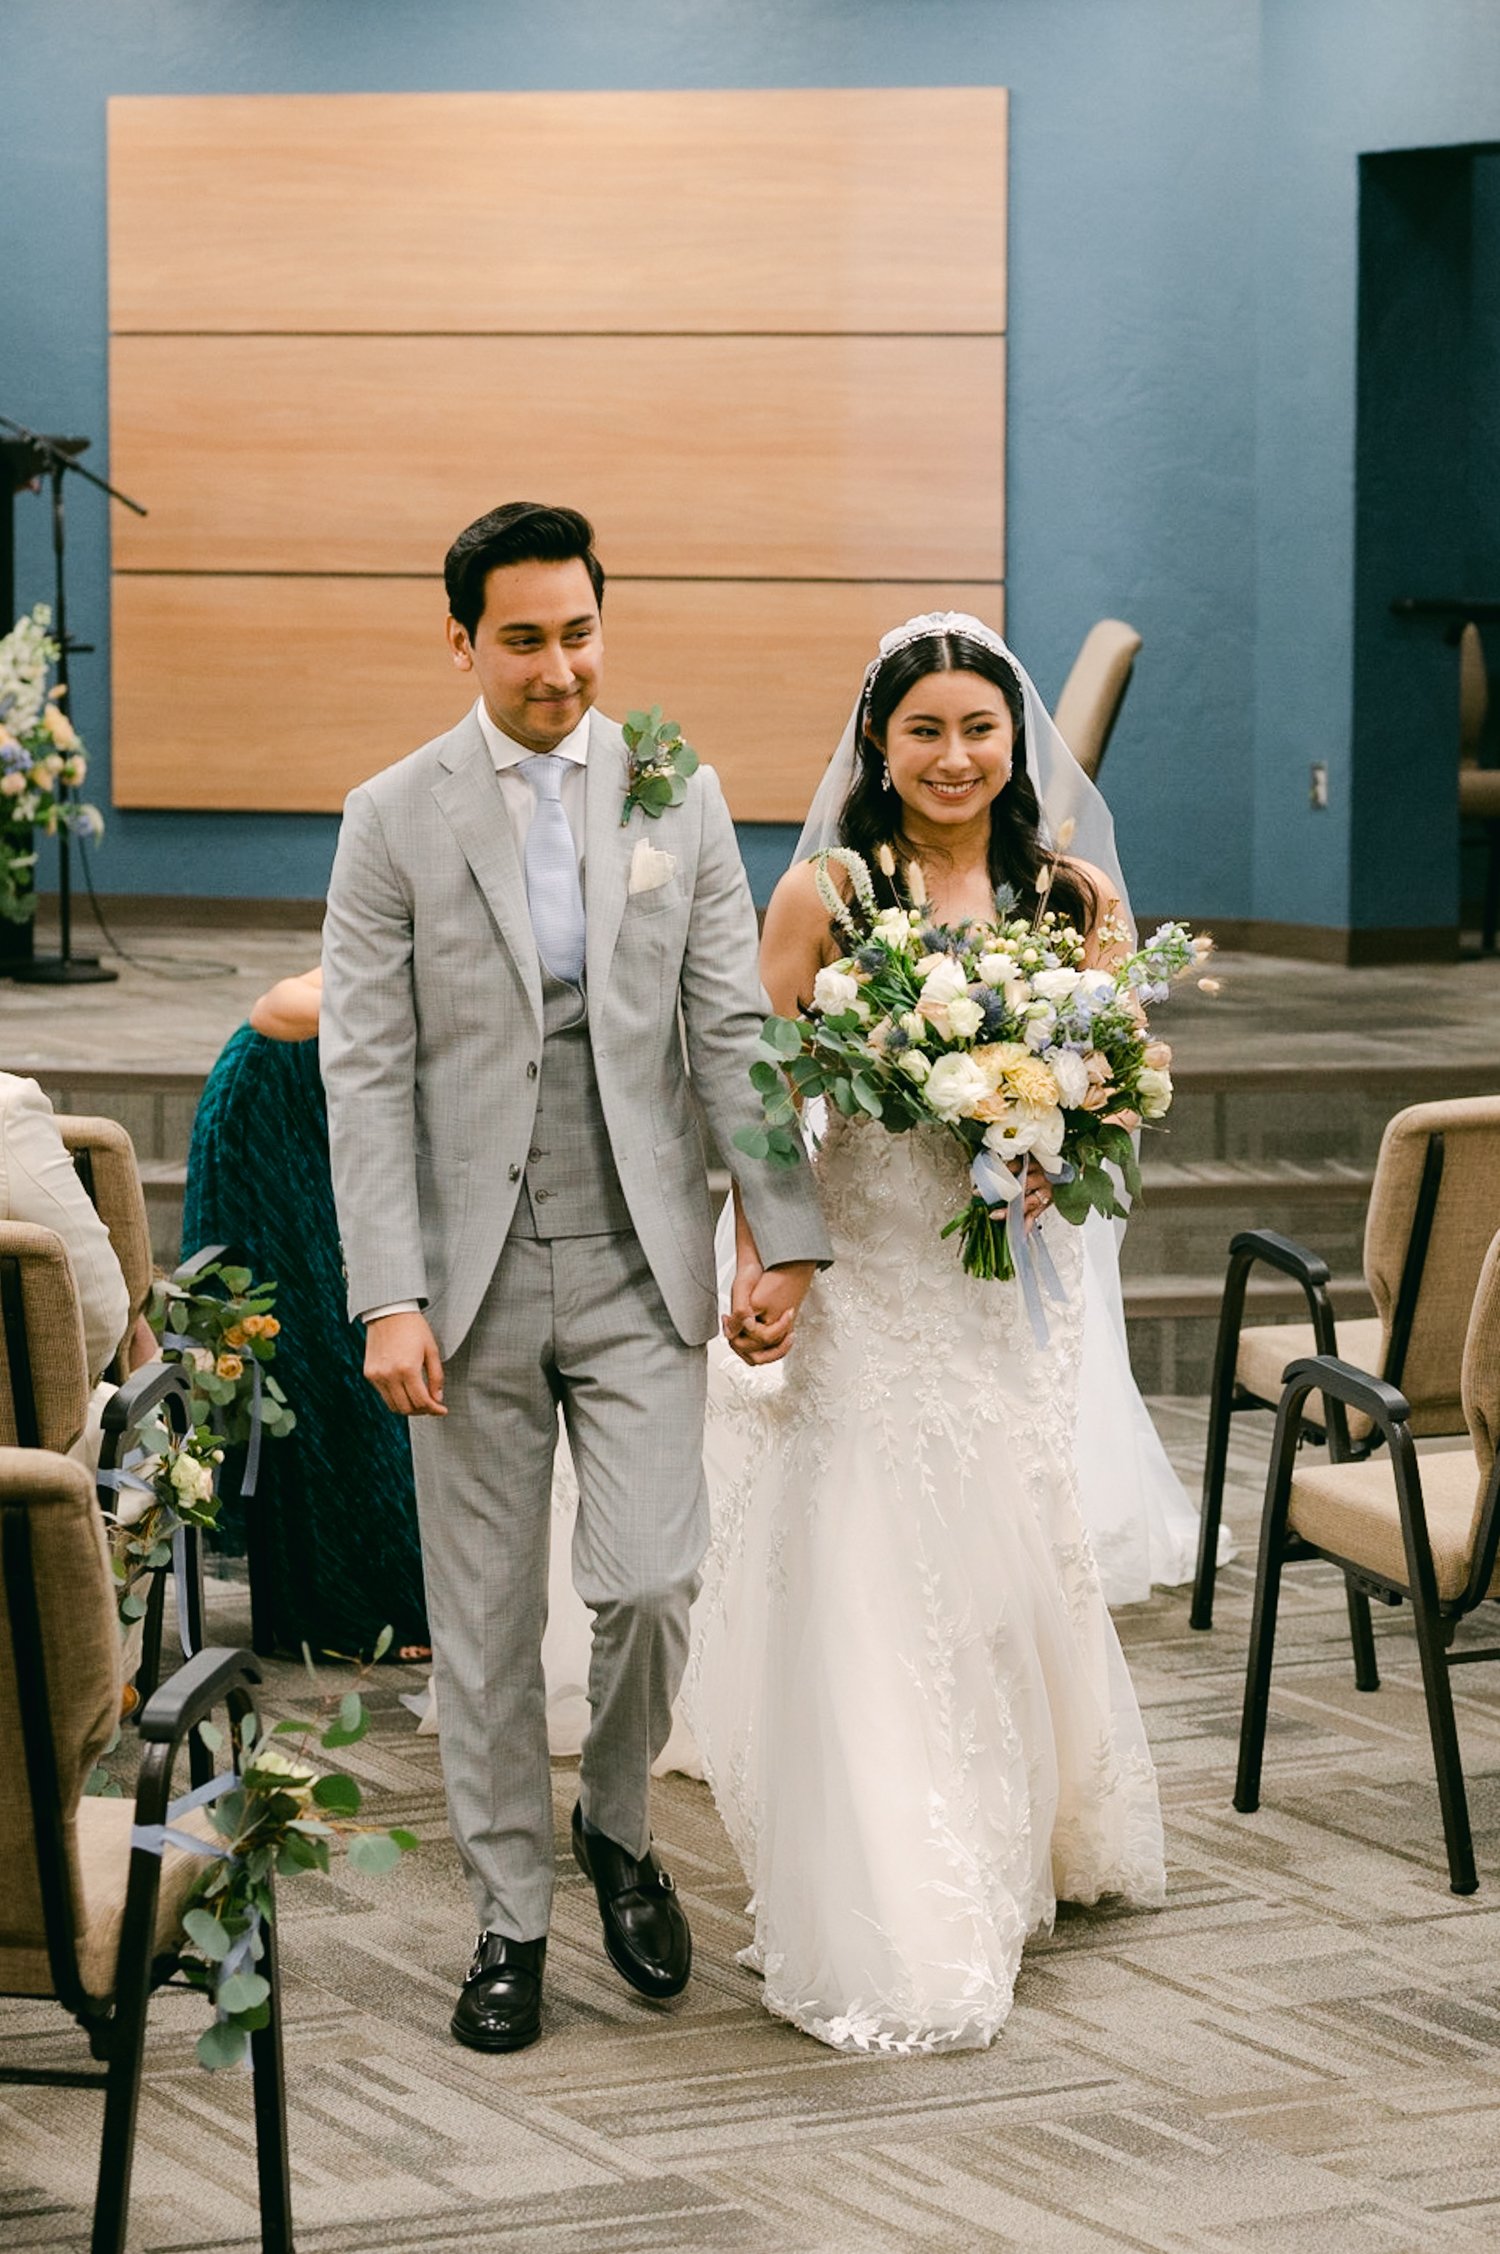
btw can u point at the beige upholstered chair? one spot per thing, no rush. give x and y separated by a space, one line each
1094 691
1424 1533
1478 787
1434 1206
105 1159
88 1914
44 1401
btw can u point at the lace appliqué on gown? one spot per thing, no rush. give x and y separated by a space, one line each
906 1688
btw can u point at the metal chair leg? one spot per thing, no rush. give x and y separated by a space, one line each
148 1674
127 2043
1452 1797
272 2162
1362 1636
1220 1410
1263 1619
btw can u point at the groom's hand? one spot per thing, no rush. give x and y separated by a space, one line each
403 1364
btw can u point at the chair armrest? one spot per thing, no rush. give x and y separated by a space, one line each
199 1685
1341 1381
1285 1253
144 1390
186 1272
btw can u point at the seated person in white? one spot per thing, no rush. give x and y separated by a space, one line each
39 1184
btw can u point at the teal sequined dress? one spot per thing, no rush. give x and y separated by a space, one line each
335 1497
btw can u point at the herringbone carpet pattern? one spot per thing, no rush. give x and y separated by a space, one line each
1300 2054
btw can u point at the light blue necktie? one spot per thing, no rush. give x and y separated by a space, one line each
553 892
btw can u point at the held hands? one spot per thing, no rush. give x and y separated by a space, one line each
763 1307
403 1364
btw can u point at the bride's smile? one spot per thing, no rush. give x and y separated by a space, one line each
949 746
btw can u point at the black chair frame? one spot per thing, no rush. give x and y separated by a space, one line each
116 2027
1435 1620
1227 1398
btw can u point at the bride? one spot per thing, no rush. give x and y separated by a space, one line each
905 1686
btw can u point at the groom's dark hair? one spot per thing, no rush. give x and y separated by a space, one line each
516 532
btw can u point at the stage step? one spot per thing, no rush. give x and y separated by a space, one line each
1187 1213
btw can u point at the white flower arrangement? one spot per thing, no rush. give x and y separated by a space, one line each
41 760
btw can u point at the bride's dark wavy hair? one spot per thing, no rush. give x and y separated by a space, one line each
872 811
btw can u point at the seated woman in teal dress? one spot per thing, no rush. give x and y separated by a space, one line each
338 1556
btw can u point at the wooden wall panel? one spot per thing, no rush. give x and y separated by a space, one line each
837 458
877 209
760 676
757 336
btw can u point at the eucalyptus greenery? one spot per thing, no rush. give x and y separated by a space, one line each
229 1323
284 1816
661 763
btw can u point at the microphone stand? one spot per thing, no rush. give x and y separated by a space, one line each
54 460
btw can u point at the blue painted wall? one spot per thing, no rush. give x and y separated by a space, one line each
1182 305
1339 78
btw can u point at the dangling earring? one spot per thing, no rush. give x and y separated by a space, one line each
885 774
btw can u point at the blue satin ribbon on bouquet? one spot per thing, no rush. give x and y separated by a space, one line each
1030 1256
154 1839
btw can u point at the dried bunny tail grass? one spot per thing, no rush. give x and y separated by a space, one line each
858 872
916 884
885 860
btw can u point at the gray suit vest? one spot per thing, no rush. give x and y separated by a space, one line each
570 1188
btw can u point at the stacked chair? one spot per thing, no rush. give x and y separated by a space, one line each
1434 1207
1478 786
1094 691
90 1908
1424 1532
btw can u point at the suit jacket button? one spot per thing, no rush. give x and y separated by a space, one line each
531 1072
542 1196
515 1173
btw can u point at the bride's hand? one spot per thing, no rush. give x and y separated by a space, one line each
1038 1197
763 1308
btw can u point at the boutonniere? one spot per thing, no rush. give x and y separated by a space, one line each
660 763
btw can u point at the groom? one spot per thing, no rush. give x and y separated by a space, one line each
518 981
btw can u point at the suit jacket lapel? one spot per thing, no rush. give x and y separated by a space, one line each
607 848
468 792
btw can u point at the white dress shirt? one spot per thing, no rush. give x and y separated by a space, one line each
520 804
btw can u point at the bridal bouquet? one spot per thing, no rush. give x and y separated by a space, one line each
998 1033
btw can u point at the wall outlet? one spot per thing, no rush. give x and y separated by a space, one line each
1317 783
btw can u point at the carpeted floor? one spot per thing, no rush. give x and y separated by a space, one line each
1300 2054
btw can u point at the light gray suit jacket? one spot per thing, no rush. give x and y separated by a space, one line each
431 1031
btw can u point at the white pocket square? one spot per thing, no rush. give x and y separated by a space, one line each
650 867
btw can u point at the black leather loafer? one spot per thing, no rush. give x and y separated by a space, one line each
500 2004
646 1935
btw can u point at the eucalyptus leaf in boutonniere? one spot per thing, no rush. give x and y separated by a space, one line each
661 762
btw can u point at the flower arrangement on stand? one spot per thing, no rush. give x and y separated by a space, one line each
999 1033
41 760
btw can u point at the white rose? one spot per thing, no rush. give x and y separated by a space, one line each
913 1026
1015 1133
1071 1074
1055 985
1041 1024
1154 1093
1016 993
996 969
914 1065
835 990
1097 984
893 925
955 1085
943 979
1048 1142
965 1017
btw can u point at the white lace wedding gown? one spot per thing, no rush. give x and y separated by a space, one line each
907 1691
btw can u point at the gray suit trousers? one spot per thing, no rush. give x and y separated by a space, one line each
576 1322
